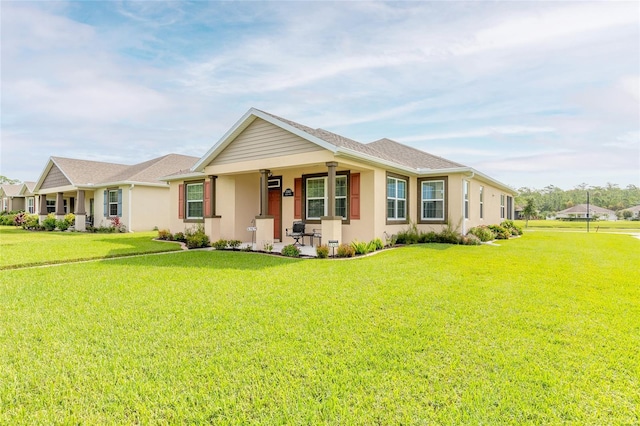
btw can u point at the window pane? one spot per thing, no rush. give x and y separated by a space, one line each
194 209
433 210
391 187
315 187
402 189
341 186
391 207
113 196
113 209
401 213
194 191
315 209
341 207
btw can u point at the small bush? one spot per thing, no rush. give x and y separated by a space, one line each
513 228
31 221
482 232
196 238
346 250
220 245
499 232
322 251
409 235
165 234
378 244
49 223
448 235
428 237
70 218
234 244
62 224
267 246
179 236
291 251
470 240
360 247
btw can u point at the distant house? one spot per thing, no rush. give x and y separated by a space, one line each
267 172
17 197
98 192
635 211
579 211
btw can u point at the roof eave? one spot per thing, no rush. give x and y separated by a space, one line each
472 171
182 176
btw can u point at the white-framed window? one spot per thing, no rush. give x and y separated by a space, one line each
466 198
31 205
432 202
482 202
195 200
316 197
5 205
113 202
502 209
396 198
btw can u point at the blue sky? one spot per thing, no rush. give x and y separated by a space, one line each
533 94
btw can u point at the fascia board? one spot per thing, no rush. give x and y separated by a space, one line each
183 176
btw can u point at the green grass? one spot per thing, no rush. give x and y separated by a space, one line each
594 226
19 248
543 329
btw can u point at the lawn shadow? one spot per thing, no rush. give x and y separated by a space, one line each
215 259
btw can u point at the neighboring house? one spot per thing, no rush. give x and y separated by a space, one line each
635 211
30 198
98 192
10 197
267 172
579 211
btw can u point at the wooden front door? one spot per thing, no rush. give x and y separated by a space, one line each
275 209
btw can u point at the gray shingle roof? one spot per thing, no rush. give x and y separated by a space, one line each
582 208
384 149
11 190
85 172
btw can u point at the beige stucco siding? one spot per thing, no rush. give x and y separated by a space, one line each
263 140
149 208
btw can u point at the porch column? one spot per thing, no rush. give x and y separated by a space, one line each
331 224
212 221
212 195
59 206
42 209
81 214
264 222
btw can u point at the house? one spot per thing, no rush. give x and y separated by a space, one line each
10 197
267 172
635 211
99 192
579 211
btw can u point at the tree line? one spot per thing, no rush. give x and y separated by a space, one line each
551 199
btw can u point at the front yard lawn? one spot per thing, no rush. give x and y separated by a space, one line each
543 329
20 248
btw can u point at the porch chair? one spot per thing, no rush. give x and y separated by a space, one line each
297 233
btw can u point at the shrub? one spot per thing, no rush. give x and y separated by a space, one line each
8 219
117 225
470 240
62 224
482 232
346 250
220 245
322 251
196 238
512 227
428 237
409 235
19 219
70 218
360 247
378 243
499 232
291 251
31 221
267 246
49 223
449 235
234 244
165 234
179 236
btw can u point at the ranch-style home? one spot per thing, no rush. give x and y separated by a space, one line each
16 197
267 172
98 193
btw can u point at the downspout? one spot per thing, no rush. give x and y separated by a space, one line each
130 208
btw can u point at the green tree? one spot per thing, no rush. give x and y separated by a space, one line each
6 180
529 211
